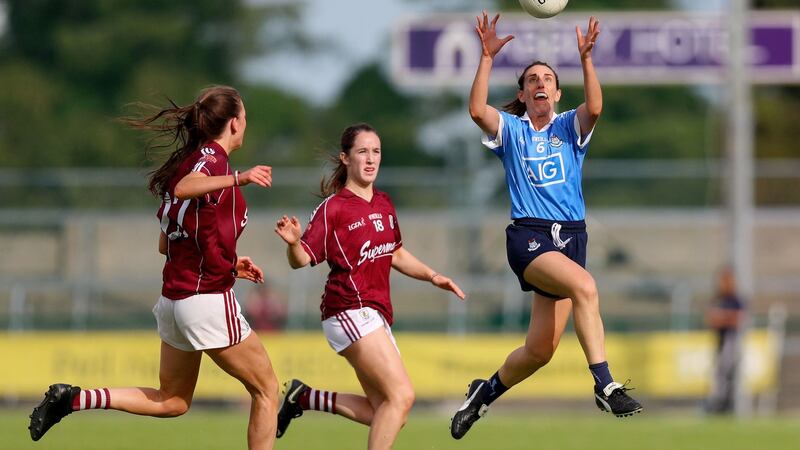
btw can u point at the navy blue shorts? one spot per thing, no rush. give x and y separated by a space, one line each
528 238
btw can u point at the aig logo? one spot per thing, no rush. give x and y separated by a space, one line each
546 170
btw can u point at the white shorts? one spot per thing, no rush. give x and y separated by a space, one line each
349 326
201 322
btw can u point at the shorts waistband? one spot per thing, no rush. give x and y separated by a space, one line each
546 225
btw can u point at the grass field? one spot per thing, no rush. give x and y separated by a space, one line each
204 429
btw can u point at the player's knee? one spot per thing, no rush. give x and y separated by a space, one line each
273 392
270 390
265 391
407 400
264 397
175 407
585 291
403 398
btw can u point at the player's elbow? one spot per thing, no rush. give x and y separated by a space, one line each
594 110
476 113
297 263
181 193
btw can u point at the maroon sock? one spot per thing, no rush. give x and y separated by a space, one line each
315 400
91 399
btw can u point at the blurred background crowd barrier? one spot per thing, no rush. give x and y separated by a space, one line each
666 366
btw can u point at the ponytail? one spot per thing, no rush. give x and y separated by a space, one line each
187 126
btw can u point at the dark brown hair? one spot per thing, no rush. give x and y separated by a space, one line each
517 107
189 126
336 181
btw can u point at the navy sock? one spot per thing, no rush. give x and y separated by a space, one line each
601 374
494 388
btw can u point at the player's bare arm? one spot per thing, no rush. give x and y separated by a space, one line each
195 184
589 111
407 264
485 116
289 230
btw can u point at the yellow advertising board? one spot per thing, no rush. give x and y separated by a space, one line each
440 365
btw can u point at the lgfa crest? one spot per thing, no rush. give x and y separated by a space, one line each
555 141
209 158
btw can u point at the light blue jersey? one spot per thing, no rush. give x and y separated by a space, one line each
543 168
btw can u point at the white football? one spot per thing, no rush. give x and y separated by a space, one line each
543 9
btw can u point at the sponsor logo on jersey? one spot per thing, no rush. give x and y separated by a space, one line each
374 216
533 245
546 170
375 252
555 141
207 151
361 222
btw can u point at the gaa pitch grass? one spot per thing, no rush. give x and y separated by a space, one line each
225 429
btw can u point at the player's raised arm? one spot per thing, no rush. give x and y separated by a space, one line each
589 111
485 116
407 264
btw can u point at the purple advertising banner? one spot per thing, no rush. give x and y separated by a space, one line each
633 48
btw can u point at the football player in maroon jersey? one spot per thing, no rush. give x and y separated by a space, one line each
202 215
356 231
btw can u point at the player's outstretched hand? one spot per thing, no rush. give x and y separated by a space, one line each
288 229
488 34
586 43
442 282
247 269
260 175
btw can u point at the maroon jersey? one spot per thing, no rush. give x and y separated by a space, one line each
202 231
357 238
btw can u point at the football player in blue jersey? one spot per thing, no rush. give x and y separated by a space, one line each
542 153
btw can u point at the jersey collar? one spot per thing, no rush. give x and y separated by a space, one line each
528 119
346 193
